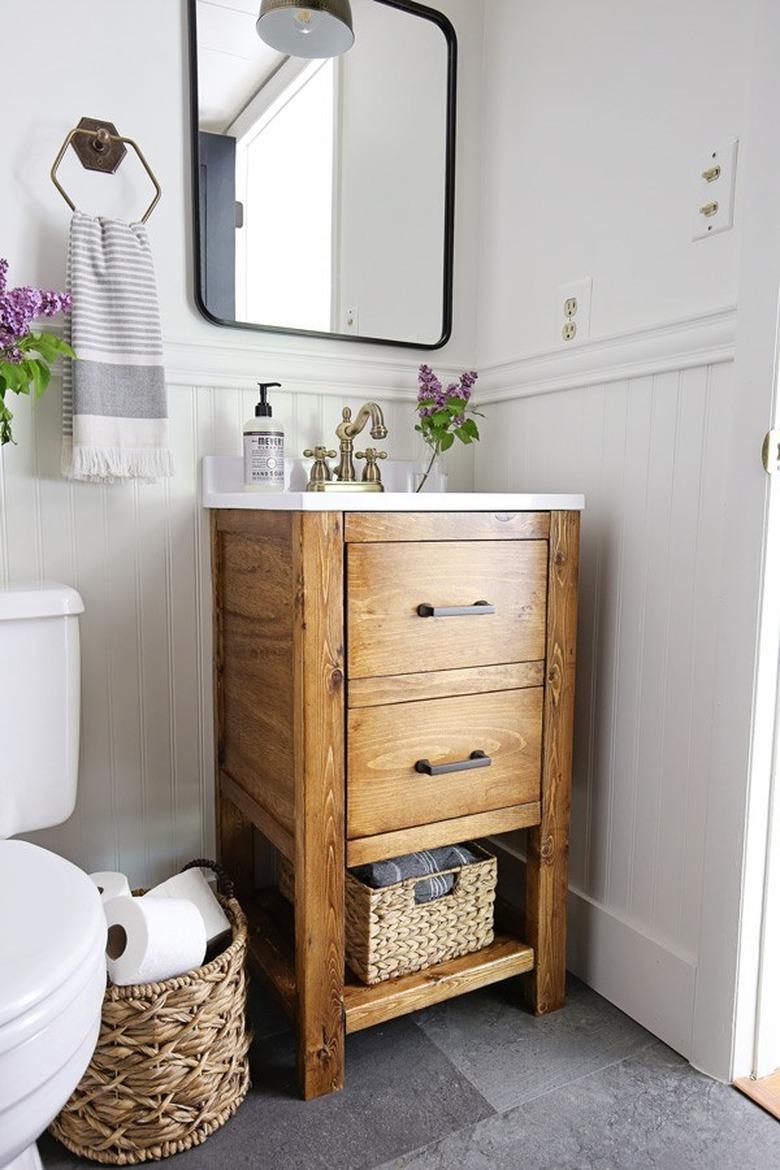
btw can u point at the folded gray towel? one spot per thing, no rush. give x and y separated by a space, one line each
380 874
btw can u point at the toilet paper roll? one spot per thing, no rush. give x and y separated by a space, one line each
111 885
151 939
193 885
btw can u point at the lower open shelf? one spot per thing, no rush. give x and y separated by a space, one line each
272 949
365 1006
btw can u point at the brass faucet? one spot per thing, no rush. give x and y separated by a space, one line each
347 431
344 478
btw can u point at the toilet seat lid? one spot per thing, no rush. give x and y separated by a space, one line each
51 923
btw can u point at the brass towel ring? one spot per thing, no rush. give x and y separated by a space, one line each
100 147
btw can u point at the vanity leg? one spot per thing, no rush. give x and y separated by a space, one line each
548 843
319 802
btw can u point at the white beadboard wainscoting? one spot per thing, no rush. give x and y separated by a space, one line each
648 448
139 555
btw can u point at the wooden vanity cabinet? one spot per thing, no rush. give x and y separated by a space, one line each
337 668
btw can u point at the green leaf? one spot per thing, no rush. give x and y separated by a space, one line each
14 376
6 434
463 434
441 418
49 346
447 441
471 428
427 403
457 404
43 379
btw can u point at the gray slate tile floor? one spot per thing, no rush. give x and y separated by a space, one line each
478 1084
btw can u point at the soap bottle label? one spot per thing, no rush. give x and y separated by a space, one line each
264 459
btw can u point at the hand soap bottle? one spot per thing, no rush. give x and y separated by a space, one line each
263 447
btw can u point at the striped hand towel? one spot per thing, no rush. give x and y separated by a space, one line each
114 412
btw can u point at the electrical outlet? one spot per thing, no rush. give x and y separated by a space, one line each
352 319
572 310
715 181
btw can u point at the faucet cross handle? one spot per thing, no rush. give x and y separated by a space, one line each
371 472
319 453
320 472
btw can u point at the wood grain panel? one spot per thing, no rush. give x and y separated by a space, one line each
366 1006
765 1091
318 716
385 792
548 842
257 815
272 945
452 832
439 684
256 587
387 582
405 526
236 845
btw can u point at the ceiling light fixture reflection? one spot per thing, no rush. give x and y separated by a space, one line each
322 28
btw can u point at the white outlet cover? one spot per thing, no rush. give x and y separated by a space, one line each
720 190
352 318
582 289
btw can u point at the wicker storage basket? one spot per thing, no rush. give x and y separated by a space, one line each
389 934
171 1061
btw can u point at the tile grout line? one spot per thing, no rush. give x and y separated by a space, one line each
419 1150
562 1085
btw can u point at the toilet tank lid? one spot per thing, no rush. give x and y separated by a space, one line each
41 599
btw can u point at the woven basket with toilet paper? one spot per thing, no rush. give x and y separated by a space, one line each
171 1062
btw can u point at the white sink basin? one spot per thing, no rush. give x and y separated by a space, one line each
222 487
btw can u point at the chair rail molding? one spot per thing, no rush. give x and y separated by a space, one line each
705 339
307 371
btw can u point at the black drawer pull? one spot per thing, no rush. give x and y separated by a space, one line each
475 760
476 610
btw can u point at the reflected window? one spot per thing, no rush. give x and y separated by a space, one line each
285 181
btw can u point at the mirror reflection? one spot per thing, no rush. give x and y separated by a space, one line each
324 185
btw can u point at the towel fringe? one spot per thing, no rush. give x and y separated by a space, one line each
113 464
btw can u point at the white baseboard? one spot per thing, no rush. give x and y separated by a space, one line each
645 977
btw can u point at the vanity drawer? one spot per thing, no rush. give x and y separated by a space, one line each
386 583
385 791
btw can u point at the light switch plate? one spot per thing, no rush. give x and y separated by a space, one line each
577 296
717 190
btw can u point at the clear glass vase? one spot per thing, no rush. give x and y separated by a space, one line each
427 477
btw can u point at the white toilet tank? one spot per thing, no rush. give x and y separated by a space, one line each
39 705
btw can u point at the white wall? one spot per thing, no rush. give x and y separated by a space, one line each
139 555
595 117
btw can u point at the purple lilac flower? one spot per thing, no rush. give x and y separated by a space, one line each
430 390
462 389
19 307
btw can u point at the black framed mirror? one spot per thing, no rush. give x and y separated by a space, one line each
324 190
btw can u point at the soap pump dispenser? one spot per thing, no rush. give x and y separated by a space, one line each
263 447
